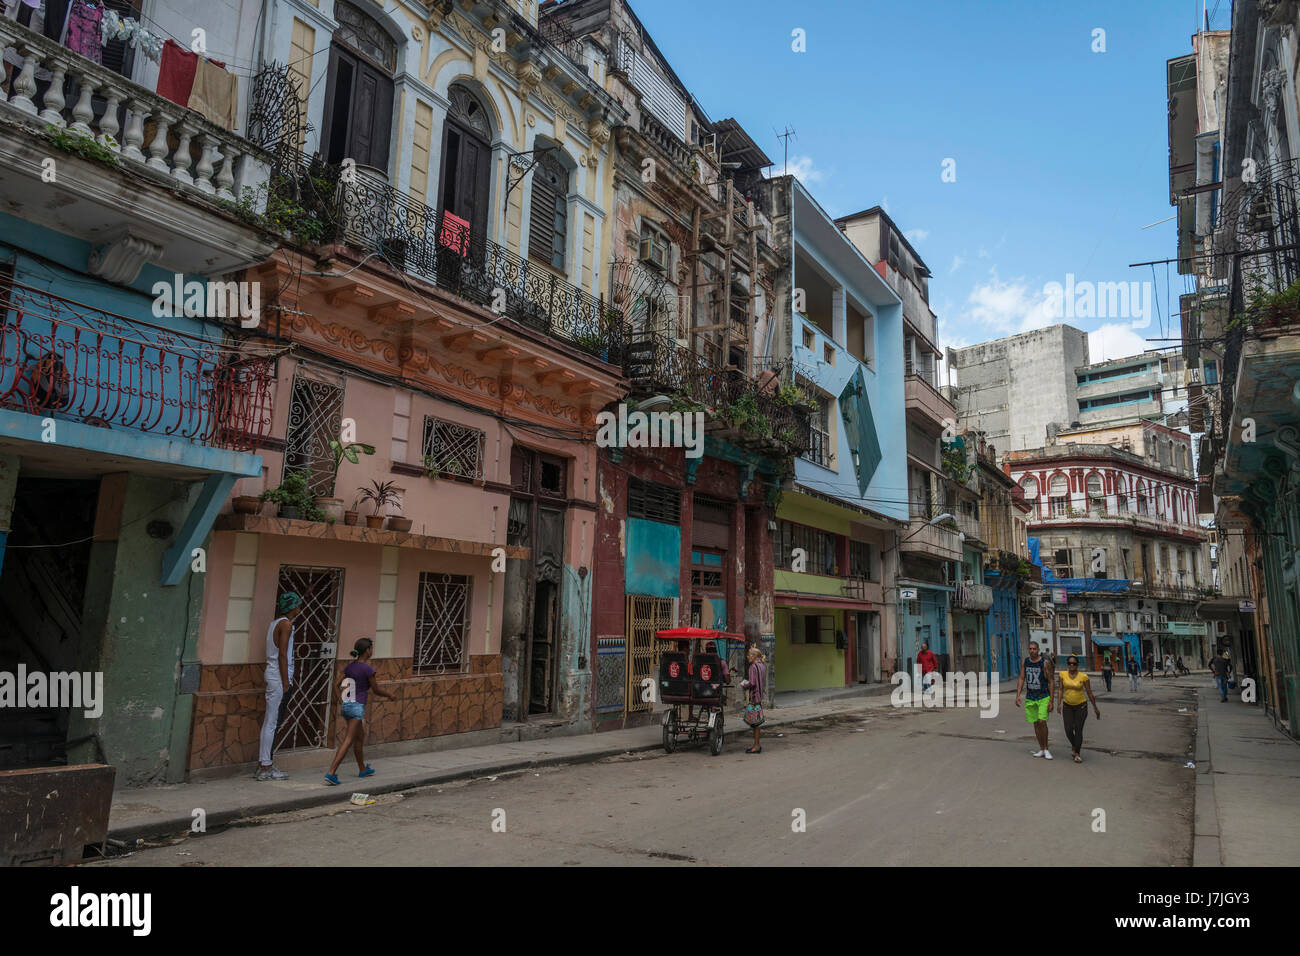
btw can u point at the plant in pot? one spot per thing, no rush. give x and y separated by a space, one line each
381 494
294 498
351 516
352 452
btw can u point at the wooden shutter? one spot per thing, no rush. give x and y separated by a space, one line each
548 224
371 117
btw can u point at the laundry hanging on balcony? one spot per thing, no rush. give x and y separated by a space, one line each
130 31
81 32
198 83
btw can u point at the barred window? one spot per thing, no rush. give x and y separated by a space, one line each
453 448
819 546
860 559
441 623
653 502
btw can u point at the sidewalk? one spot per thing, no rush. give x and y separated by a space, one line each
153 812
1247 785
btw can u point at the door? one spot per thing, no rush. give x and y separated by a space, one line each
868 638
358 111
465 177
645 616
304 719
541 649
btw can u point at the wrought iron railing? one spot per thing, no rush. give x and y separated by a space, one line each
819 447
65 359
443 249
752 405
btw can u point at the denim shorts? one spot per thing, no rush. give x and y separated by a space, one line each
354 711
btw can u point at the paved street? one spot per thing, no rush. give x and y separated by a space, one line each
879 785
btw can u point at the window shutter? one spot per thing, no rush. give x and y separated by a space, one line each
548 225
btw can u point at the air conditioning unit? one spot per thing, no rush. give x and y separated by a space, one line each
654 252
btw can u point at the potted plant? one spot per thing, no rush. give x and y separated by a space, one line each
351 515
352 452
294 499
247 504
381 494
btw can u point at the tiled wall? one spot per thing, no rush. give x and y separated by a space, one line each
231 702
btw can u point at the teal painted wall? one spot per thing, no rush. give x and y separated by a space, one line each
654 558
135 631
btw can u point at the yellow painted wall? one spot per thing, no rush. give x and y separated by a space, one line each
806 666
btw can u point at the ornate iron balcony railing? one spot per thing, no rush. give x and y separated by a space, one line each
61 358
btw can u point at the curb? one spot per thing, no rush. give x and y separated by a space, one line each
1206 848
172 826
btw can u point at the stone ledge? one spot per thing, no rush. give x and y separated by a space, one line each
265 524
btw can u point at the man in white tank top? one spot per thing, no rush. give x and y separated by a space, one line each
279 678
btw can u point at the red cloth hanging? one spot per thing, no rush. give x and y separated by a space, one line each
176 75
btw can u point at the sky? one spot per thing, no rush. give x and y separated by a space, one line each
1053 136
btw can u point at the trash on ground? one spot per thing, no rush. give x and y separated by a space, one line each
362 799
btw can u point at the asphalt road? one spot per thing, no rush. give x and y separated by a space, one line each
875 786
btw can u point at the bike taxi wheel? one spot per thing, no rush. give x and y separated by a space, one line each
670 733
715 735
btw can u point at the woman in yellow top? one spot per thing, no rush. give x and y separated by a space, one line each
1073 693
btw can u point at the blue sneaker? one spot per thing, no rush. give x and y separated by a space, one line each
332 779
367 772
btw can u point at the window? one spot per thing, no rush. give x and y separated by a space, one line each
359 90
315 419
452 448
1144 503
819 446
441 623
1121 496
654 246
818 546
1059 495
463 189
706 569
860 559
1029 486
548 224
813 629
653 501
1096 496
1061 560
1068 619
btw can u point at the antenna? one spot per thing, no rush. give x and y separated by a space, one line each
785 135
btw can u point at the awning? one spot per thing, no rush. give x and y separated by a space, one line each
1107 641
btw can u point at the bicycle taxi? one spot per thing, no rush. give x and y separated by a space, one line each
692 680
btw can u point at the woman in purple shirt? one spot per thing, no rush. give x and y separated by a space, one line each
755 684
354 686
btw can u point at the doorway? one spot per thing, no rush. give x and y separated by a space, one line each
868 638
304 721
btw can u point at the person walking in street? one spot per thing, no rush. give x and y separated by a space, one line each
1107 670
1151 665
1134 674
1219 667
755 685
354 688
1169 665
1036 686
927 662
1073 694
279 680
1179 667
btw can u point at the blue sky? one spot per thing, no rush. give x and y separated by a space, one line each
1061 153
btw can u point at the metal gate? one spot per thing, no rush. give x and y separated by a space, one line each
304 719
645 615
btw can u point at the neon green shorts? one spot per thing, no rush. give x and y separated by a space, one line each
1036 710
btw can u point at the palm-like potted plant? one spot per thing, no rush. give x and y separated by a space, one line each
352 452
351 516
294 498
381 494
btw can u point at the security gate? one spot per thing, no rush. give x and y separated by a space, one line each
645 615
304 718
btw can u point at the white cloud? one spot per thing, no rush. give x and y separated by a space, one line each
917 235
803 168
1114 340
957 263
1005 308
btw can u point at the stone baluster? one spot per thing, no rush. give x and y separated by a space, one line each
226 174
181 161
24 84
108 127
83 112
52 106
158 148
134 136
203 182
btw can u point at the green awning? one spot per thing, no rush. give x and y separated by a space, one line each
1108 641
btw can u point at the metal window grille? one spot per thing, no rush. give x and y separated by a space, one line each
653 502
712 510
860 559
442 622
645 616
455 449
315 418
819 546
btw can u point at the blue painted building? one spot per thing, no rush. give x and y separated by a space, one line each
123 425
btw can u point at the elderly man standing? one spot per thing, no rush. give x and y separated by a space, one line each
279 680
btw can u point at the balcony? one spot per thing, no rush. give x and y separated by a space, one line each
972 597
413 238
753 414
931 541
70 361
925 405
112 140
970 527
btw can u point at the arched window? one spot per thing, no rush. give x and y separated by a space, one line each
1096 494
359 90
1144 504
1029 485
1160 501
1058 495
548 227
466 161
1121 493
